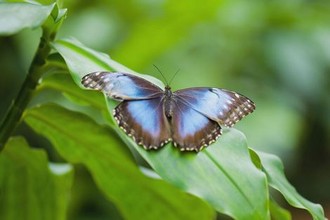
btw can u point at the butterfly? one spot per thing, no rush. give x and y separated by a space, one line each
191 118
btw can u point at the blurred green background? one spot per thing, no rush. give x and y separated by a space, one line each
275 52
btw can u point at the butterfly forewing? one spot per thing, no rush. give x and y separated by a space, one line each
222 106
121 86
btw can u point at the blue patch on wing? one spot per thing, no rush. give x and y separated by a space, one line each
189 121
192 130
146 113
145 121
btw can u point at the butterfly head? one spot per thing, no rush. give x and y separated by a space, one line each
167 87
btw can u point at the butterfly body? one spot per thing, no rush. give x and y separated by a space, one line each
168 102
191 118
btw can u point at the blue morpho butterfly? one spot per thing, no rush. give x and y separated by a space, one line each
153 116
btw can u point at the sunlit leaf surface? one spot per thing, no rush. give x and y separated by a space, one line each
17 16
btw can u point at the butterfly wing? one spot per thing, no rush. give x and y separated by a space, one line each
121 86
140 114
144 121
192 130
223 106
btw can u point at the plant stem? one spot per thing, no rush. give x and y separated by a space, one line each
24 96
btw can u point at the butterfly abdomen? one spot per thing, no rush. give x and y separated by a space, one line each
168 105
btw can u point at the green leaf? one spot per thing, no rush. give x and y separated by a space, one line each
17 16
92 100
82 60
54 22
274 170
112 167
31 188
63 83
277 212
223 174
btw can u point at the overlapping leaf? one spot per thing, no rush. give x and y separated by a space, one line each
30 187
17 16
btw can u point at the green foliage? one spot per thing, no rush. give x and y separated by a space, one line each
273 168
112 166
31 186
17 16
212 167
191 172
228 177
277 212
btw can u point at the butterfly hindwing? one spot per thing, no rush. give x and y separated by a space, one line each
144 121
223 106
121 86
192 130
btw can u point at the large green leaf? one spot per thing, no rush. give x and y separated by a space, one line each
82 60
80 140
274 170
223 174
30 187
17 16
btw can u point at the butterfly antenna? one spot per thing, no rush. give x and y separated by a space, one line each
174 76
161 74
